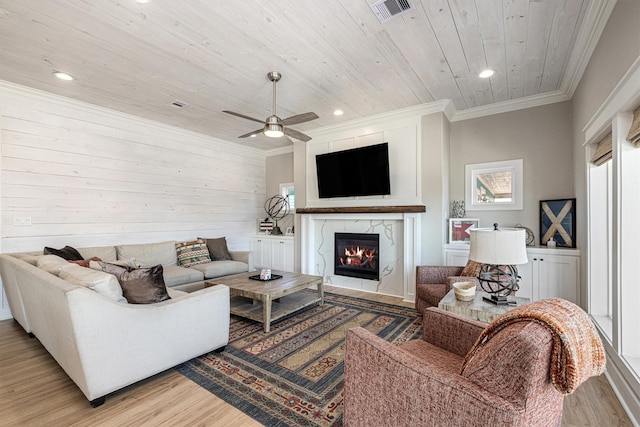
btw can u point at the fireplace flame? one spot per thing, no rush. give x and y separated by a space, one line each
358 257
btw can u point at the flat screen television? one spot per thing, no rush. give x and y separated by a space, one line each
362 171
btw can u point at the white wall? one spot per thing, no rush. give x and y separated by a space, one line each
418 164
541 136
617 51
87 176
435 186
404 159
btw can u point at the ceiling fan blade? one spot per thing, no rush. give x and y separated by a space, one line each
299 118
297 135
255 132
242 116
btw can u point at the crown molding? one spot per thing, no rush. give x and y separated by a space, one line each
42 96
510 105
624 97
278 151
595 21
442 106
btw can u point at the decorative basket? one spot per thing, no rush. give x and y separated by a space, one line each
464 291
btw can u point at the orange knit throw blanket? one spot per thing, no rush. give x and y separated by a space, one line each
577 352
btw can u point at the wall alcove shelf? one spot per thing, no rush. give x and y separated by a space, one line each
363 209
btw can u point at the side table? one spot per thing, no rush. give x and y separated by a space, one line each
478 309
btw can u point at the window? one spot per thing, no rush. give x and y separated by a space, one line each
288 192
600 245
614 243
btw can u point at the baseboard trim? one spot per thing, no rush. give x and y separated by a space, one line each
5 314
623 390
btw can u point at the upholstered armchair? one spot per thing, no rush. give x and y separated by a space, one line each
434 281
514 372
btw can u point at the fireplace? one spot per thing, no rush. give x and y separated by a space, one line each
357 255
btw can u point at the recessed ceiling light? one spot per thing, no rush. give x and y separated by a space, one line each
338 113
485 74
143 1
63 76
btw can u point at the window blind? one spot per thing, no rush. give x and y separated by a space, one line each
603 151
634 132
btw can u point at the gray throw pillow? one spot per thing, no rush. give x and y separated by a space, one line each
218 249
139 285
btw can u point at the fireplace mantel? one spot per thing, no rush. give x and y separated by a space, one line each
363 209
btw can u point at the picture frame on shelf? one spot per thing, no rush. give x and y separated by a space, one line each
265 226
558 220
459 229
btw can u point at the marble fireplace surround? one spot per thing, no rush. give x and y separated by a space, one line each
400 245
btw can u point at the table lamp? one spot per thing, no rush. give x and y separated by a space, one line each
499 250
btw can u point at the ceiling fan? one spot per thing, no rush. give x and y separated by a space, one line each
274 126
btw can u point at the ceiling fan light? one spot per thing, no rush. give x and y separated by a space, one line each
273 130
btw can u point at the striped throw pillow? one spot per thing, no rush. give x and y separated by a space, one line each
192 253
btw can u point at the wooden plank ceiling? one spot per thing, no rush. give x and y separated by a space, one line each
333 54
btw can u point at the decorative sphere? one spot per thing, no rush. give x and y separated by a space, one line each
277 207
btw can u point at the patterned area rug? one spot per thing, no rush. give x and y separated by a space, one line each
293 376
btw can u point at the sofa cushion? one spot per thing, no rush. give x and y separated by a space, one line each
68 253
30 258
140 285
192 253
51 263
174 293
221 268
105 253
102 283
218 249
175 275
150 254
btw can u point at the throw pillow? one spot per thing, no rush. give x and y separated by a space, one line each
218 249
141 285
192 253
51 263
68 253
86 262
102 283
471 269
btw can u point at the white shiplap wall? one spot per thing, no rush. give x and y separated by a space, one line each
87 176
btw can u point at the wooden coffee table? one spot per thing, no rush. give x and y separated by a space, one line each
269 301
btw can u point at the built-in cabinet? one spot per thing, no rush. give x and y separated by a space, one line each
274 252
550 273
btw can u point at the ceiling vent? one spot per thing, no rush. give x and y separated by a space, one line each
179 104
387 9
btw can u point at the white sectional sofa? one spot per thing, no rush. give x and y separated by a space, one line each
105 345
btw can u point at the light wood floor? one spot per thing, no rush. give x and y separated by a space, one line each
34 391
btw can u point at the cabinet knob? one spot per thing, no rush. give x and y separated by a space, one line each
535 259
541 259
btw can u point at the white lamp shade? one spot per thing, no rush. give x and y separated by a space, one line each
505 246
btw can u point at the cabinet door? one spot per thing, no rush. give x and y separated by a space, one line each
558 277
456 257
527 290
261 249
282 255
